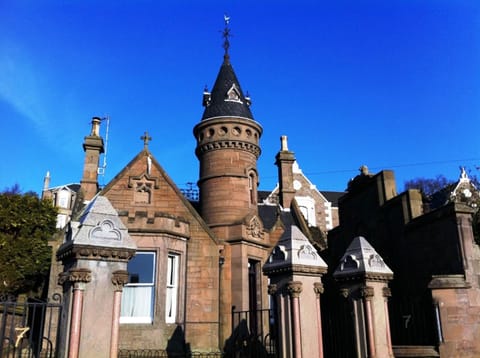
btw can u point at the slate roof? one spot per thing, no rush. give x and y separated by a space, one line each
333 196
262 195
218 106
268 214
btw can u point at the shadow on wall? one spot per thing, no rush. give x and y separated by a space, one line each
243 344
177 346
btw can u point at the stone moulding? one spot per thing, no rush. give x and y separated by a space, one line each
229 144
293 269
448 281
377 277
95 253
75 275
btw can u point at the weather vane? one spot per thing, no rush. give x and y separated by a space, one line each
226 34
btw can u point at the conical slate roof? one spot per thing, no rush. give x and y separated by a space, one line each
226 98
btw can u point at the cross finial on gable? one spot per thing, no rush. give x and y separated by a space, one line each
146 138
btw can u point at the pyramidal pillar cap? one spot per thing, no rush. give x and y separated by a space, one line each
362 261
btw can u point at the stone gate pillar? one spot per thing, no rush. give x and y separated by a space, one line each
95 255
364 276
295 270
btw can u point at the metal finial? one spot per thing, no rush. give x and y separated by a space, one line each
226 35
146 138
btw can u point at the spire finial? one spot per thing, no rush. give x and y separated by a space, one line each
146 138
226 35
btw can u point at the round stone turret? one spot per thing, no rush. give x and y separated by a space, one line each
227 148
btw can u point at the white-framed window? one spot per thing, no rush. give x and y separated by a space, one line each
63 198
138 295
172 288
307 207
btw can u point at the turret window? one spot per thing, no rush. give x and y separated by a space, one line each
252 188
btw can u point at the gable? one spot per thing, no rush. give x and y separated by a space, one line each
148 201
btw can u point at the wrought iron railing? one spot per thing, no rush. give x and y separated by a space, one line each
29 328
154 353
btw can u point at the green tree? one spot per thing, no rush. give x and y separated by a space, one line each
26 225
428 186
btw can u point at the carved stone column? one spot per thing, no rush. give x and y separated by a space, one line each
79 277
367 295
119 279
386 294
294 288
318 289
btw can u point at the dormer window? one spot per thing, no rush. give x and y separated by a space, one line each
233 94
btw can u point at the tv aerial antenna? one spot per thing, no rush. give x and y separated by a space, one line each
102 168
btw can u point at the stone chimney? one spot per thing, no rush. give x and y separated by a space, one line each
93 147
284 162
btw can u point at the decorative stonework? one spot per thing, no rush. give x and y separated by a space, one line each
307 252
387 292
367 292
80 275
345 292
294 288
254 229
318 288
349 262
105 230
95 253
229 144
119 279
233 95
376 261
272 289
143 185
279 253
307 270
76 275
62 278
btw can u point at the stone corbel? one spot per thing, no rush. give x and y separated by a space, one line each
387 292
294 288
119 279
345 292
367 292
79 277
272 289
318 288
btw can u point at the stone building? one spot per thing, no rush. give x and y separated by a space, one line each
434 298
175 274
194 262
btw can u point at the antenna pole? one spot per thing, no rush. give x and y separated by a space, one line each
101 169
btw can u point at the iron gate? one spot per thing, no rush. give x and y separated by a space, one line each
254 334
29 328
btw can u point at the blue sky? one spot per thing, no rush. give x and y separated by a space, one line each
390 84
